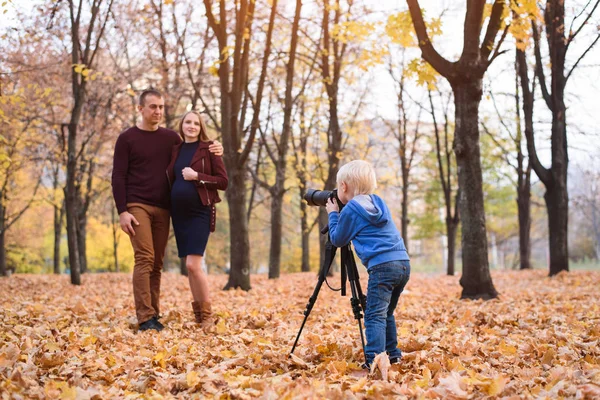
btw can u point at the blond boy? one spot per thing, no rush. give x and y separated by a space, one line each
366 221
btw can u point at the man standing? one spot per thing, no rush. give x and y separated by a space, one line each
141 193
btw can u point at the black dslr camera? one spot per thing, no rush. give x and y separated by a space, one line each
316 197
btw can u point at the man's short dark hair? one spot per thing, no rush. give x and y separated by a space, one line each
146 93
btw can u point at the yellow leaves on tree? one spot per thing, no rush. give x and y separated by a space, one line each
523 12
400 29
85 72
423 72
352 31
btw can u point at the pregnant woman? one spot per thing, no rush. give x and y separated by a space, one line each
195 174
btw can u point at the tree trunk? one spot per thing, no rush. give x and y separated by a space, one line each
305 266
476 280
557 202
59 215
524 173
115 239
555 178
278 190
524 208
405 221
71 204
596 225
451 227
276 229
81 242
557 196
3 266
239 275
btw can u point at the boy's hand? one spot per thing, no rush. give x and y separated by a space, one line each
331 206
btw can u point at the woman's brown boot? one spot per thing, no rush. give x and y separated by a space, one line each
207 319
196 306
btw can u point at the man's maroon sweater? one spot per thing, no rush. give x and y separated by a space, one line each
139 167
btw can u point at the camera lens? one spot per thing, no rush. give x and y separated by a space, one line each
315 197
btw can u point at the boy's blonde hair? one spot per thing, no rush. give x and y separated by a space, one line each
359 175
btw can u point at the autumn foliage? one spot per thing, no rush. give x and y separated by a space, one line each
538 340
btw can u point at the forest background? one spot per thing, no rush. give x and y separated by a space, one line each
311 85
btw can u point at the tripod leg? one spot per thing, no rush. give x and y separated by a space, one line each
358 300
327 261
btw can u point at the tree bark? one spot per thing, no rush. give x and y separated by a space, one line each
59 215
445 174
81 242
276 230
451 227
524 173
278 190
475 280
233 81
557 203
71 202
3 266
239 274
555 177
405 176
305 265
114 225
85 55
331 73
301 173
465 76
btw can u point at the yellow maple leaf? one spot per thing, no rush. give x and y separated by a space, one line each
221 327
159 359
227 353
424 382
358 386
506 349
496 386
192 379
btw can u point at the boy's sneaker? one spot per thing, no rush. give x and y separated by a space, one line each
151 324
395 360
366 366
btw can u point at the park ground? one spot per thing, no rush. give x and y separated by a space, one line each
539 339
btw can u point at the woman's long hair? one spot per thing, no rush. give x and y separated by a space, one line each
203 137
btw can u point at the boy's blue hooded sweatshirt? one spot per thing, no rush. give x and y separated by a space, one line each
366 221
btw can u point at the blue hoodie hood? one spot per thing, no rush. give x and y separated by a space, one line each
371 208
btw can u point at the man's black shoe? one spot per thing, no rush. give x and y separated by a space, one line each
395 360
151 324
160 326
366 366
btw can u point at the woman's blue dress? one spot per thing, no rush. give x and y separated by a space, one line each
191 219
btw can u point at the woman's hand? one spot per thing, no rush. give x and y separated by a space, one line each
189 174
331 206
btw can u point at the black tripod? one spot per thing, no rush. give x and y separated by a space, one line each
349 272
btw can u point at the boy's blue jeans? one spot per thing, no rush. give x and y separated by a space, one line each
386 282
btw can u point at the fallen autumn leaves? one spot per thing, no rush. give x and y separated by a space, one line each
540 339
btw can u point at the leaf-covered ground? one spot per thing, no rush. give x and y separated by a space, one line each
539 340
